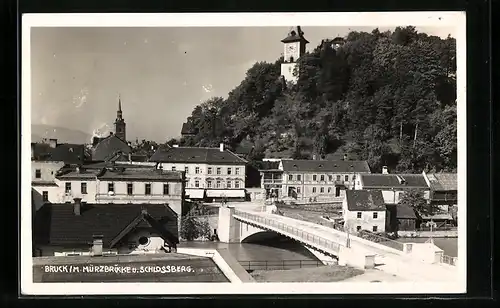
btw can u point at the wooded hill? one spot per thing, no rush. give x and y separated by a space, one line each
385 97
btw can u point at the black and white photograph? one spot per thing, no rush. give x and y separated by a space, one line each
243 153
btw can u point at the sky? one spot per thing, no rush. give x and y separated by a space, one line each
160 74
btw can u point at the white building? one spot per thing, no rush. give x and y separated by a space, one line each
364 210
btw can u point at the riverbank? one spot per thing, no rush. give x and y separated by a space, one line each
331 273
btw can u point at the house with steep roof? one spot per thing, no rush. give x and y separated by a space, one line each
211 173
80 229
400 217
111 147
364 210
309 180
443 195
393 186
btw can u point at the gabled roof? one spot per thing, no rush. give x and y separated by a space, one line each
56 224
195 155
365 200
338 166
443 181
141 174
68 153
391 181
269 165
108 147
187 129
402 211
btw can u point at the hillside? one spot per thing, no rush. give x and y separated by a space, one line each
388 98
63 135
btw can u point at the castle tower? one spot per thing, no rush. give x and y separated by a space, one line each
294 47
120 126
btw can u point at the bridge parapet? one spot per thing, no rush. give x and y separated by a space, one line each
326 245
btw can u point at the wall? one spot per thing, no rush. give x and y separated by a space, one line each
202 176
37 194
366 221
76 190
287 71
48 170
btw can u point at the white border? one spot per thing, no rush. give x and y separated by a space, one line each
387 19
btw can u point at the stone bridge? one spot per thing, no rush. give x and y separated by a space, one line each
414 261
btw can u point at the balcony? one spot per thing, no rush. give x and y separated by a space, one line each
273 181
136 198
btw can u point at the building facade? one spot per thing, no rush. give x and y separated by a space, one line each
211 173
364 210
317 180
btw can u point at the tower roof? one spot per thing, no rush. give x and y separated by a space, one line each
119 103
295 35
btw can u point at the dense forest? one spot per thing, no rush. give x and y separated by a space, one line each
385 97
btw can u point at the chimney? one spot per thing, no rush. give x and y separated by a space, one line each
97 245
345 157
385 170
32 151
53 143
77 206
221 147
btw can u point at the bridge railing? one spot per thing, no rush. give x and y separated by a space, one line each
321 242
278 264
449 260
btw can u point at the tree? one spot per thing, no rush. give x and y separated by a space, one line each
415 200
195 224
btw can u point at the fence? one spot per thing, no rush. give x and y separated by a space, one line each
300 234
372 237
449 260
279 264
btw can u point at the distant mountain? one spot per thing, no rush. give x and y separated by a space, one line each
62 134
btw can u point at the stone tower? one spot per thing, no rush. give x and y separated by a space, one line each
294 47
120 126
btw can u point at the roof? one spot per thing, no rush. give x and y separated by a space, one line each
68 153
403 211
295 35
338 39
269 166
187 129
365 200
137 174
195 155
56 224
340 166
443 181
391 181
108 147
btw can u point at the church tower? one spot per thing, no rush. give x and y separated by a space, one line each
294 48
120 126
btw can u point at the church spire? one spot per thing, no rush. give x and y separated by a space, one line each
120 126
119 111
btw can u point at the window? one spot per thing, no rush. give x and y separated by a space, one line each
298 190
83 188
209 170
228 184
218 170
111 187
290 177
337 191
166 189
330 177
45 196
375 215
322 177
173 168
186 169
237 184
209 184
321 189
130 188
217 184
229 171
143 240
358 228
38 173
299 177
197 170
375 228
147 189
67 187
314 190
237 171
329 189
359 215
196 183
315 177
338 177
346 178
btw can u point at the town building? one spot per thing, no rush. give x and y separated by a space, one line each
443 195
119 184
102 229
212 174
393 186
47 158
364 210
312 180
294 47
400 217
